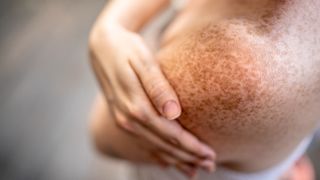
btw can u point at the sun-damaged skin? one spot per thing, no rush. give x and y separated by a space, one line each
247 74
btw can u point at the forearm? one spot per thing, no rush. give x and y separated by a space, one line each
132 15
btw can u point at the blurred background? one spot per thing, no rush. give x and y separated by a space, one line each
46 92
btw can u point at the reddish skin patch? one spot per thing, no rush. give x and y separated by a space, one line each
242 96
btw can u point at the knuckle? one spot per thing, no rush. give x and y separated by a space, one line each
179 131
121 123
188 141
137 38
196 146
145 64
125 124
141 64
138 113
135 111
157 90
176 136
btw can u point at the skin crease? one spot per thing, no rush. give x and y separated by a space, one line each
247 76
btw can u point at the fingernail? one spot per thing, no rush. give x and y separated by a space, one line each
211 168
171 110
193 173
208 165
208 153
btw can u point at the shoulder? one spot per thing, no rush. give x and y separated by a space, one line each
235 79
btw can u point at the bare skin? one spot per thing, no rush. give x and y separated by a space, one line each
136 90
247 76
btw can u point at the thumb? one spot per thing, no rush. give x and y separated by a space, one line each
158 89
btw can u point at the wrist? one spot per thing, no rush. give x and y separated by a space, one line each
110 21
103 32
132 15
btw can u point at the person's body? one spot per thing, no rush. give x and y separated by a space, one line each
247 74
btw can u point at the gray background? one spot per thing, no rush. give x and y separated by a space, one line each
46 92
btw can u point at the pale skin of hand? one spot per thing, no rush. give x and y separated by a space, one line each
138 94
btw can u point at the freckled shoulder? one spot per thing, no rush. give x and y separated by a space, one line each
238 90
218 70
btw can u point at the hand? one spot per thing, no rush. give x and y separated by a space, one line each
139 96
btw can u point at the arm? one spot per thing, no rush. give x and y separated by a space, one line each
137 92
132 15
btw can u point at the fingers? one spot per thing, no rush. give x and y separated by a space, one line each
181 137
171 131
188 169
123 121
164 146
141 131
155 84
141 111
137 114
